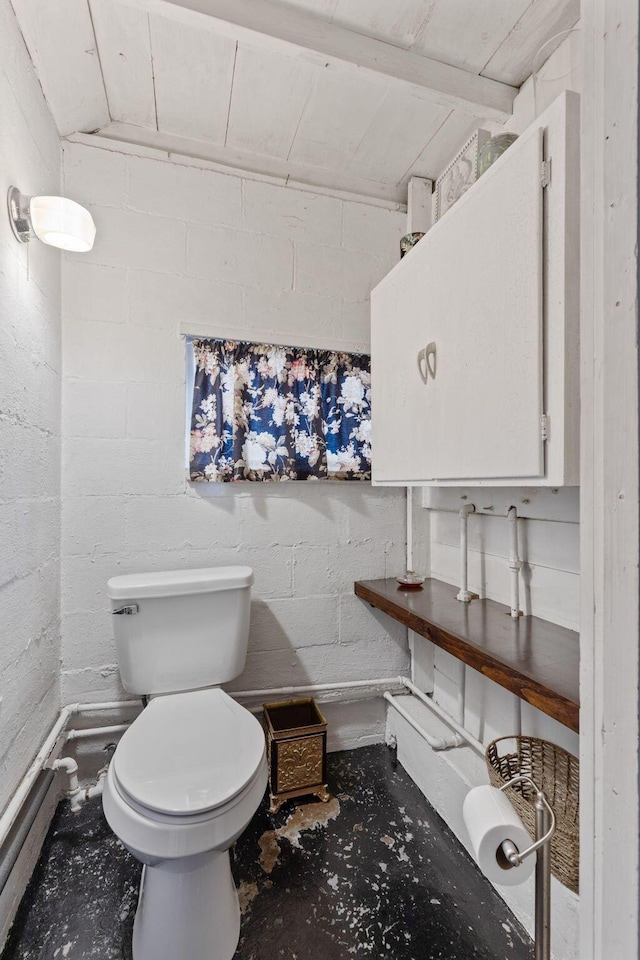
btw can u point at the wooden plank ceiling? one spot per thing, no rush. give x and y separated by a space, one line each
355 95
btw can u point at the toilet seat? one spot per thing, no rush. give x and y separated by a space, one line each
189 754
190 819
153 837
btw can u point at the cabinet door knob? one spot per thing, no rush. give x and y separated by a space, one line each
427 362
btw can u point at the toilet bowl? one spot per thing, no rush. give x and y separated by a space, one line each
184 783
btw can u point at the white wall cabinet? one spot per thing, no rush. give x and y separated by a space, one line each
475 354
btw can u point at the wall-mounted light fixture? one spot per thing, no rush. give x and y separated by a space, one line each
54 220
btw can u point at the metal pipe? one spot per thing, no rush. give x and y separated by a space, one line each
514 561
436 743
464 596
543 884
19 832
448 719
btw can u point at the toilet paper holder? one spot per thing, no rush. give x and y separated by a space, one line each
545 829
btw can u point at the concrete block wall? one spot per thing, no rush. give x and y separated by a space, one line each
183 247
29 425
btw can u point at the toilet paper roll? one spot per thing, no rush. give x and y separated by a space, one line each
491 819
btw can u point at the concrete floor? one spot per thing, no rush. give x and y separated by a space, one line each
373 873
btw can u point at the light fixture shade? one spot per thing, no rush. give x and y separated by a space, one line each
62 223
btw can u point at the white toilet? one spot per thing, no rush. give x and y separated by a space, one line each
189 774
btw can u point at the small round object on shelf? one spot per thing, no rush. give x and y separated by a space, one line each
493 148
410 580
408 241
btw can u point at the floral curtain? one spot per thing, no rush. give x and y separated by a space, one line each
264 412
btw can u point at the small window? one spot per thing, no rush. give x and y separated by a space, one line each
266 412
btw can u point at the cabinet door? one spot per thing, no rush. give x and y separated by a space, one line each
472 290
398 334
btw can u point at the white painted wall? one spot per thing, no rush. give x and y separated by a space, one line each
183 247
609 663
29 424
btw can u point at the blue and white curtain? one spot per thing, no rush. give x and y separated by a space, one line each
264 412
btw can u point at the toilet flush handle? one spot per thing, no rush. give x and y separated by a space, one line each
128 610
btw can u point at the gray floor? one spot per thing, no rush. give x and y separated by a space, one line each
373 873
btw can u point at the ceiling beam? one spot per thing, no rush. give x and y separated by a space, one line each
299 34
143 141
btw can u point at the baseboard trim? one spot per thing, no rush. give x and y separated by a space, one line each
25 864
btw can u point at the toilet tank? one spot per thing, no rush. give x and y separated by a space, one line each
180 629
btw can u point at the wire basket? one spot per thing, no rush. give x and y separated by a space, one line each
557 773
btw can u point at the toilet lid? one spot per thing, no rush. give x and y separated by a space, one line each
188 753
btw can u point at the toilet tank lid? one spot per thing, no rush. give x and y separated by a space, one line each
175 583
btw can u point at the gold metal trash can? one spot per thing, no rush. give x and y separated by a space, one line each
297 751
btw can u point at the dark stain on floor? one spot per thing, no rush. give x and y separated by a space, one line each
373 873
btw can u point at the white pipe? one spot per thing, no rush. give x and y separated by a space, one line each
490 512
77 794
22 791
70 767
74 793
448 719
412 654
382 684
13 808
464 596
97 788
462 684
109 705
436 743
514 561
409 530
95 731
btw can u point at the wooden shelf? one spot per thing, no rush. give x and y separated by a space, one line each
536 660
